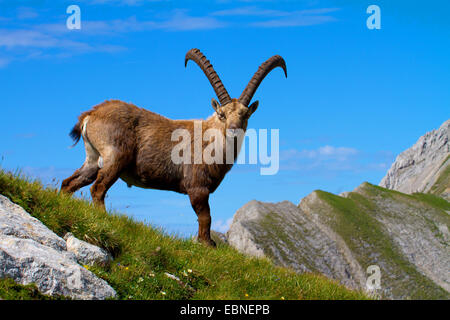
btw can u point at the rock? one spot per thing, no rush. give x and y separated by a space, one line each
218 237
291 238
240 235
340 237
54 272
15 221
32 253
420 167
86 253
418 230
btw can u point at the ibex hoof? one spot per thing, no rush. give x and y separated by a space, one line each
207 242
210 243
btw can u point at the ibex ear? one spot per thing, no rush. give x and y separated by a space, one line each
253 107
215 104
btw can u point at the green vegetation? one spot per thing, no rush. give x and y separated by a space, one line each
430 198
443 182
276 235
9 290
142 255
354 219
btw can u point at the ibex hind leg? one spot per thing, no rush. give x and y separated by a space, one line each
112 167
86 174
81 177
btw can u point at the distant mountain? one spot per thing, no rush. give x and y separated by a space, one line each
425 167
405 235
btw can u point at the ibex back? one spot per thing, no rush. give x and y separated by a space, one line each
134 144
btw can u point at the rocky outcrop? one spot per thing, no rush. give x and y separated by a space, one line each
31 253
405 236
86 253
17 223
424 167
404 233
291 238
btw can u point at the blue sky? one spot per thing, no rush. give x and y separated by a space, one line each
354 98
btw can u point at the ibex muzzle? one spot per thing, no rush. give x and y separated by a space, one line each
134 144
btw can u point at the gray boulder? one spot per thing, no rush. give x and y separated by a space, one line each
16 222
86 253
54 272
32 253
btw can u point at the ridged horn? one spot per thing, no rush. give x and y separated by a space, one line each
263 71
199 58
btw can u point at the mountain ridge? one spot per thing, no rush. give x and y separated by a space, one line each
403 232
418 168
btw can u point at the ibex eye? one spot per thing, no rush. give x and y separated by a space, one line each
221 116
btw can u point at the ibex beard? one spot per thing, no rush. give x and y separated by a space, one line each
136 145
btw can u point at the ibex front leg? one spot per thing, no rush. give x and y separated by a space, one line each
199 200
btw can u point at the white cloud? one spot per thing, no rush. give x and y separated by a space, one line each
122 2
221 225
281 18
55 40
178 20
4 62
181 21
24 13
21 44
330 158
250 11
36 39
299 18
325 152
339 152
43 40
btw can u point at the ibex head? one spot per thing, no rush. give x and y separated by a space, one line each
234 113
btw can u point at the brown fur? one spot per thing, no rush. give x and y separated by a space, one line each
136 146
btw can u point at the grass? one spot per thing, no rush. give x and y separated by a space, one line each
9 290
353 218
443 182
143 254
429 198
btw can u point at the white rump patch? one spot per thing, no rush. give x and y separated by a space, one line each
83 127
100 162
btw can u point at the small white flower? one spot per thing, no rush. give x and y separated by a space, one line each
171 276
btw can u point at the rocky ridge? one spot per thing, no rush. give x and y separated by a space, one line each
406 235
424 167
32 253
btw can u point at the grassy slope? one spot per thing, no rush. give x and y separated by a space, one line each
143 254
288 240
443 182
353 218
9 290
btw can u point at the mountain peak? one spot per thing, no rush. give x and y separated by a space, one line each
421 167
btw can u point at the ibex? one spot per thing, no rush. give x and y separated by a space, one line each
134 144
